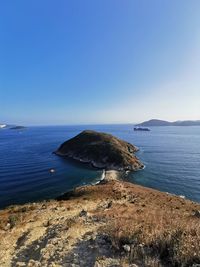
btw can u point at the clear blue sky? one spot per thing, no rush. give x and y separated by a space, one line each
102 61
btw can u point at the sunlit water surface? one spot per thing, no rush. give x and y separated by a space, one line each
171 156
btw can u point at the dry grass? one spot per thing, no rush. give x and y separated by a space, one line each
156 237
160 229
142 226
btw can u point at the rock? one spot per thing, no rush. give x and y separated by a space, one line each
33 263
133 200
109 204
83 213
48 223
44 206
106 205
101 150
7 227
196 213
127 248
20 264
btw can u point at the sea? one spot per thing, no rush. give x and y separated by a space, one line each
171 156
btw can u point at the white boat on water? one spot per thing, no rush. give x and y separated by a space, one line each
2 125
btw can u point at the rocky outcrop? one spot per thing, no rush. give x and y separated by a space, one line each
101 150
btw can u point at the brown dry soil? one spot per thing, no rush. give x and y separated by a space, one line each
114 223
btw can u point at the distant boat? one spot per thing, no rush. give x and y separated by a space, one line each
141 129
2 125
52 170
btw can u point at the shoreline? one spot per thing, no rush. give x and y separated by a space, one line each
98 166
106 177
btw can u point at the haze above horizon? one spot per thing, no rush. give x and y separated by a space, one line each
85 62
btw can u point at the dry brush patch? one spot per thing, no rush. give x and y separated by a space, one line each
156 237
142 226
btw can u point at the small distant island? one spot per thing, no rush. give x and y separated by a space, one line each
17 127
102 151
11 126
156 122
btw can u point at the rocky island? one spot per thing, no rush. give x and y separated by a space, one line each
101 150
156 122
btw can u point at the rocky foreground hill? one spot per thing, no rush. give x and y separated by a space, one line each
101 150
114 223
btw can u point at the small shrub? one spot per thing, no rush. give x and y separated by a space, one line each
12 220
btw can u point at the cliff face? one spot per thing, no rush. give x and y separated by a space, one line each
114 223
101 150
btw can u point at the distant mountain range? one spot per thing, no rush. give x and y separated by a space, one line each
155 122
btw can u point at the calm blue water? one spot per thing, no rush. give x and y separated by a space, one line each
171 156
